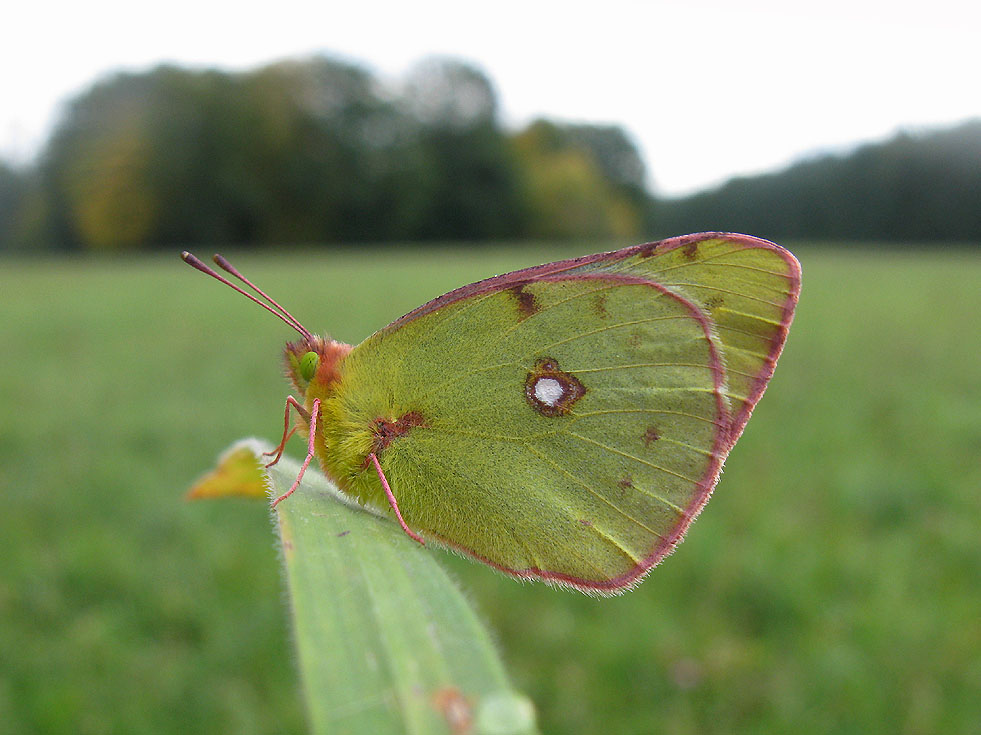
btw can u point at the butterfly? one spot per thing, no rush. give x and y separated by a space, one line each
565 422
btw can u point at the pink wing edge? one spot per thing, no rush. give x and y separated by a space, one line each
725 437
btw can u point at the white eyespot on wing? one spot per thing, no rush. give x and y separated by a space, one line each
548 391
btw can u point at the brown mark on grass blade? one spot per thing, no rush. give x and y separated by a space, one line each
455 708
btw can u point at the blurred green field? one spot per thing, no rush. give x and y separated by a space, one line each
833 584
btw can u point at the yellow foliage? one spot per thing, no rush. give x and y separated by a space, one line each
237 474
110 198
567 194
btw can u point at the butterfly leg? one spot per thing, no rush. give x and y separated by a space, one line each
391 501
291 402
310 452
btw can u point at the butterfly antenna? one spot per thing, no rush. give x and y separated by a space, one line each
278 311
229 268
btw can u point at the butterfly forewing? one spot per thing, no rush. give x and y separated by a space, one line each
747 287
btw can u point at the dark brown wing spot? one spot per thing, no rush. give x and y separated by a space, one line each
552 391
626 482
648 249
599 306
651 436
714 302
690 250
387 431
526 300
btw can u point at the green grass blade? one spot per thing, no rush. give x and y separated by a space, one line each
386 642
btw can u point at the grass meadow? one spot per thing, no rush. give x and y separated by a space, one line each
832 585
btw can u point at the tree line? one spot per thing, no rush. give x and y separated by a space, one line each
314 151
914 188
320 150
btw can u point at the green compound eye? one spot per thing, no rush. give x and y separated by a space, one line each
308 365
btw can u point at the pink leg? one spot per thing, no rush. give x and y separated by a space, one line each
391 501
287 431
310 452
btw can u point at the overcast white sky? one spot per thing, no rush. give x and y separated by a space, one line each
707 88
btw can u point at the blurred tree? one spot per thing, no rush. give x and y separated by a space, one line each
317 150
448 93
580 181
612 151
463 182
328 147
13 189
109 168
297 151
911 188
621 163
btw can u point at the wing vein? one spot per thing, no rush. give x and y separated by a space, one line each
710 260
631 456
730 292
648 410
579 371
593 492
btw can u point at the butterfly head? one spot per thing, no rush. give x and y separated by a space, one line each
312 361
312 364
